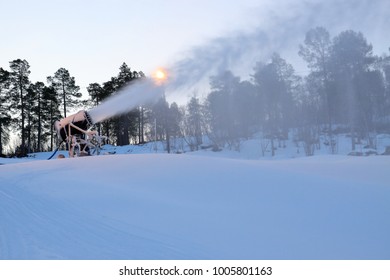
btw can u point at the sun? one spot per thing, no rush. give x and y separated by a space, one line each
159 76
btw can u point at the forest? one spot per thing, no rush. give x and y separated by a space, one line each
345 90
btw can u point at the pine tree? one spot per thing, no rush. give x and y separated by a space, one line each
160 113
351 58
193 123
32 104
19 78
44 112
66 88
5 117
108 89
222 109
275 82
316 52
175 116
126 124
96 93
49 109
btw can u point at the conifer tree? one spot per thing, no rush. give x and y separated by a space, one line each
193 123
44 112
19 83
316 52
32 104
5 117
275 82
126 124
66 89
50 109
222 110
351 58
97 95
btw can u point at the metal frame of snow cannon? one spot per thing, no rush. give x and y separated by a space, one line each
74 130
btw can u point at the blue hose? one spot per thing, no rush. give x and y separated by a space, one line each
55 151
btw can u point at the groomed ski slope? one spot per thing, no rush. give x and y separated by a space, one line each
160 206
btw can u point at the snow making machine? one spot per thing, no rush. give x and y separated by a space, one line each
75 131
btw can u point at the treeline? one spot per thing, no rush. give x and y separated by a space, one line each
346 89
30 109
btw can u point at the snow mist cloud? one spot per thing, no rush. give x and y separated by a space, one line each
280 27
134 95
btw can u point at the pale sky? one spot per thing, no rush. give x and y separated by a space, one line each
93 38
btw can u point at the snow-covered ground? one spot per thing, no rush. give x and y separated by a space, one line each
137 204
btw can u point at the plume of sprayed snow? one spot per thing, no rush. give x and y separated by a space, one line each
283 25
217 55
136 94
